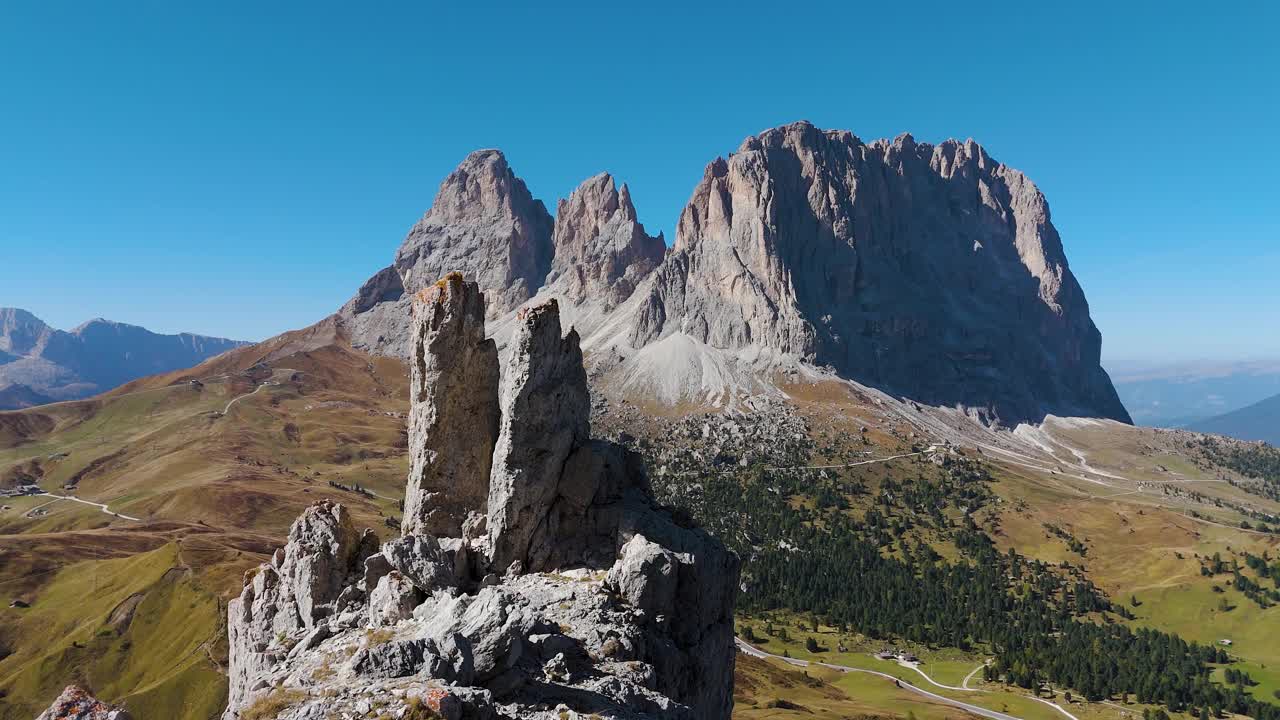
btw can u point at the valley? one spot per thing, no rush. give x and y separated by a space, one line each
864 367
214 472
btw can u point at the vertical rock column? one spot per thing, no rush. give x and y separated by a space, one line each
453 420
545 410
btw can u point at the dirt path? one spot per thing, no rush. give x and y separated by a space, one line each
975 709
101 506
227 409
965 683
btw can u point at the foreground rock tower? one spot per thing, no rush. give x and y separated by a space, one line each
537 582
453 423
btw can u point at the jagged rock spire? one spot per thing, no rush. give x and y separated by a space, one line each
483 223
453 420
601 250
650 638
546 409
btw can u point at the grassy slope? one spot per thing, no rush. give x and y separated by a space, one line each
215 493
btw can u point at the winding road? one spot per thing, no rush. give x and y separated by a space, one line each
756 652
101 506
227 409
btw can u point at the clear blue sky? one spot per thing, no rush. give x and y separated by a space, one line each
238 168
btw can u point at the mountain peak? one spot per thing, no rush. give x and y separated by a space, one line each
485 224
601 249
933 272
96 356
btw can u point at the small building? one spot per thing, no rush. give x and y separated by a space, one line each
19 604
1224 641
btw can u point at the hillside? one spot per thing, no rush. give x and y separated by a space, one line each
40 364
215 471
865 368
1259 421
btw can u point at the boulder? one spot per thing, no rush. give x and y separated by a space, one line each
646 576
392 600
422 560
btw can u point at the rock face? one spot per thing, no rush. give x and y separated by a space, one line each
930 271
484 224
75 703
453 424
601 250
40 364
546 409
566 594
301 586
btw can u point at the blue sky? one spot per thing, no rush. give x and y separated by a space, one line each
238 168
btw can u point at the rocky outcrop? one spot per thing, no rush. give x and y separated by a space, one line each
930 271
453 423
482 223
301 587
546 408
566 594
75 703
601 250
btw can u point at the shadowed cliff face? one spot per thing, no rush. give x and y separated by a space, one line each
933 272
930 271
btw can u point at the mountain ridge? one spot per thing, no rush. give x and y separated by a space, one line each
39 363
933 272
1259 421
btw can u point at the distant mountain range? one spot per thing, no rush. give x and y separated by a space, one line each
1181 396
1259 421
932 272
40 364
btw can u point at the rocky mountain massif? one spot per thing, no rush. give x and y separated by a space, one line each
39 364
931 272
534 578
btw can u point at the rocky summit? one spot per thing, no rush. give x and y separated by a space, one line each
932 272
75 703
484 224
541 582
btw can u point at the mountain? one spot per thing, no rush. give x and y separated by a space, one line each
40 364
863 520
931 272
1259 421
1182 395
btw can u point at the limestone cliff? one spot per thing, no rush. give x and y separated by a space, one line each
932 272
